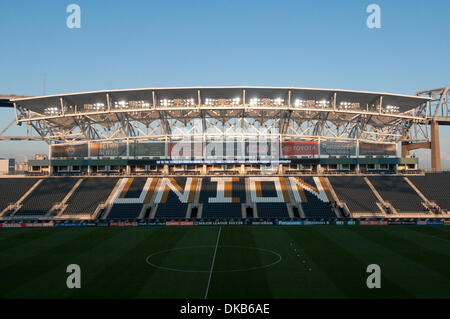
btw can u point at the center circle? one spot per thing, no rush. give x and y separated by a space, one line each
198 259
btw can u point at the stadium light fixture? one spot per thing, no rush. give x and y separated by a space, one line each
255 101
121 104
188 102
392 109
52 110
299 103
346 105
98 106
211 102
166 102
278 101
322 103
142 104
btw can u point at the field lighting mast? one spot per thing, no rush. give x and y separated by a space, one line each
437 113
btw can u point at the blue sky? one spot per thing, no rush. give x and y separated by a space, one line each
128 44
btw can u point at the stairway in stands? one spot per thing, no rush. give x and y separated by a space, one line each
45 196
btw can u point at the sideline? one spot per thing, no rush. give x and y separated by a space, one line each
212 264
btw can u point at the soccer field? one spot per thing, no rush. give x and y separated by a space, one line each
226 262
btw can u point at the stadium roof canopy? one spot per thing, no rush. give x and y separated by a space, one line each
239 111
5 99
153 95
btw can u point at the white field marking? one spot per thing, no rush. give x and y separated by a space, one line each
303 261
212 264
148 260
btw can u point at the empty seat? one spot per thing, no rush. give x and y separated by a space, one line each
315 207
272 210
398 192
89 194
12 189
173 207
49 192
136 187
222 210
354 191
129 210
125 211
435 187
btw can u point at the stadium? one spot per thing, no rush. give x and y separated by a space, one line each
262 185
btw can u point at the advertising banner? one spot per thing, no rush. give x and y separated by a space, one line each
430 222
11 225
218 222
344 222
184 149
254 149
70 224
224 149
293 148
148 149
80 150
290 222
435 222
408 222
316 222
90 224
262 148
373 222
102 224
37 224
121 224
108 149
338 148
260 222
402 222
249 149
180 223
26 225
151 223
377 149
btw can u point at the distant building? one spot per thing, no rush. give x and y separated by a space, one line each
7 166
21 167
40 157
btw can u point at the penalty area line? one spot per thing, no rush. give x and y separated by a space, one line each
212 264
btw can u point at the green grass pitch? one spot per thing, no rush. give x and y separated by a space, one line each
246 262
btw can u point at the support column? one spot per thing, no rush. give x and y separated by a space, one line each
435 148
405 150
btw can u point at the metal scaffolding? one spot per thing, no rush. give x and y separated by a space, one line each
225 112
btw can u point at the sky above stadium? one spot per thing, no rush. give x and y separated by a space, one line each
135 44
